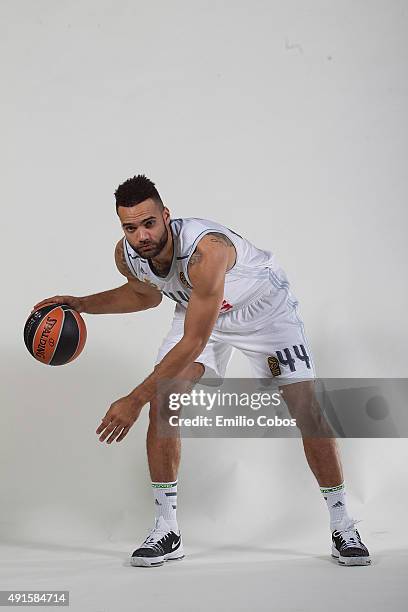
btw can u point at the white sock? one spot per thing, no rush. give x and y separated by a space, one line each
336 503
165 502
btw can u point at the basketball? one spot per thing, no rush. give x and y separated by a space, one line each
55 334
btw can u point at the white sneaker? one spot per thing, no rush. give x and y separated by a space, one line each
162 544
347 546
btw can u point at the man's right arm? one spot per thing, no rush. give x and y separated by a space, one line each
130 297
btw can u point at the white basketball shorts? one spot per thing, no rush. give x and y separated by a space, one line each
273 339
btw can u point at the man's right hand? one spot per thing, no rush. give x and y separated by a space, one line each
76 303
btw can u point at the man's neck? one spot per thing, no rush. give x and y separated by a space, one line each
162 263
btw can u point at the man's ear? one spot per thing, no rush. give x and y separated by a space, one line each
166 215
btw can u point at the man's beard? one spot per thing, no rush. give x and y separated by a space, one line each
152 248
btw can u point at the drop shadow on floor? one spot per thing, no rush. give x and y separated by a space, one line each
262 554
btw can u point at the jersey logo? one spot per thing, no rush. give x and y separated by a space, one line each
184 281
225 306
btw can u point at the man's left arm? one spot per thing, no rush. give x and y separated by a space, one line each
207 269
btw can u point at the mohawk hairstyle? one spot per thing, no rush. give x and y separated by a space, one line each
136 190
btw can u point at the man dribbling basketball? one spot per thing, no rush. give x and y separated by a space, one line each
229 294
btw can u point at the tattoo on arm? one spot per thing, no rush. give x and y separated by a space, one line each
218 239
195 258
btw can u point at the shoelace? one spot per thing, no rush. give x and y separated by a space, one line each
154 536
348 535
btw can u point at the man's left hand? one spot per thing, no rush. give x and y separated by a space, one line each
119 418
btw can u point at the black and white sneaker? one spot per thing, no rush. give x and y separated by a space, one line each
347 546
162 544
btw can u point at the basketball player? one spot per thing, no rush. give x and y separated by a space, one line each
228 294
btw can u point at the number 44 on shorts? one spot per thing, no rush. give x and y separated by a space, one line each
300 353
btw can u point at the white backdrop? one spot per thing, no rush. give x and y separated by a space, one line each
285 121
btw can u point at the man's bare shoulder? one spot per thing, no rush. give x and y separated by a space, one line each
121 261
135 283
214 242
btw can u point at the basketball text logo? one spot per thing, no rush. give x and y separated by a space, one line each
49 324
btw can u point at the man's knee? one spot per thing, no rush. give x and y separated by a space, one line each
194 371
161 404
305 409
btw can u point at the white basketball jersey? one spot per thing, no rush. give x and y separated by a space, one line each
255 271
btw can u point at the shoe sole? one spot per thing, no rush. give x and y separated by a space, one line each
350 560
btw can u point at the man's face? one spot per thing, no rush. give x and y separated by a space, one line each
145 227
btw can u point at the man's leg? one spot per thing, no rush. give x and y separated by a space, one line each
163 452
322 453
323 457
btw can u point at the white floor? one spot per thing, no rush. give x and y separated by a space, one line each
297 578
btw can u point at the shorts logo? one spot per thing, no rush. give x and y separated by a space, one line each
274 366
184 281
